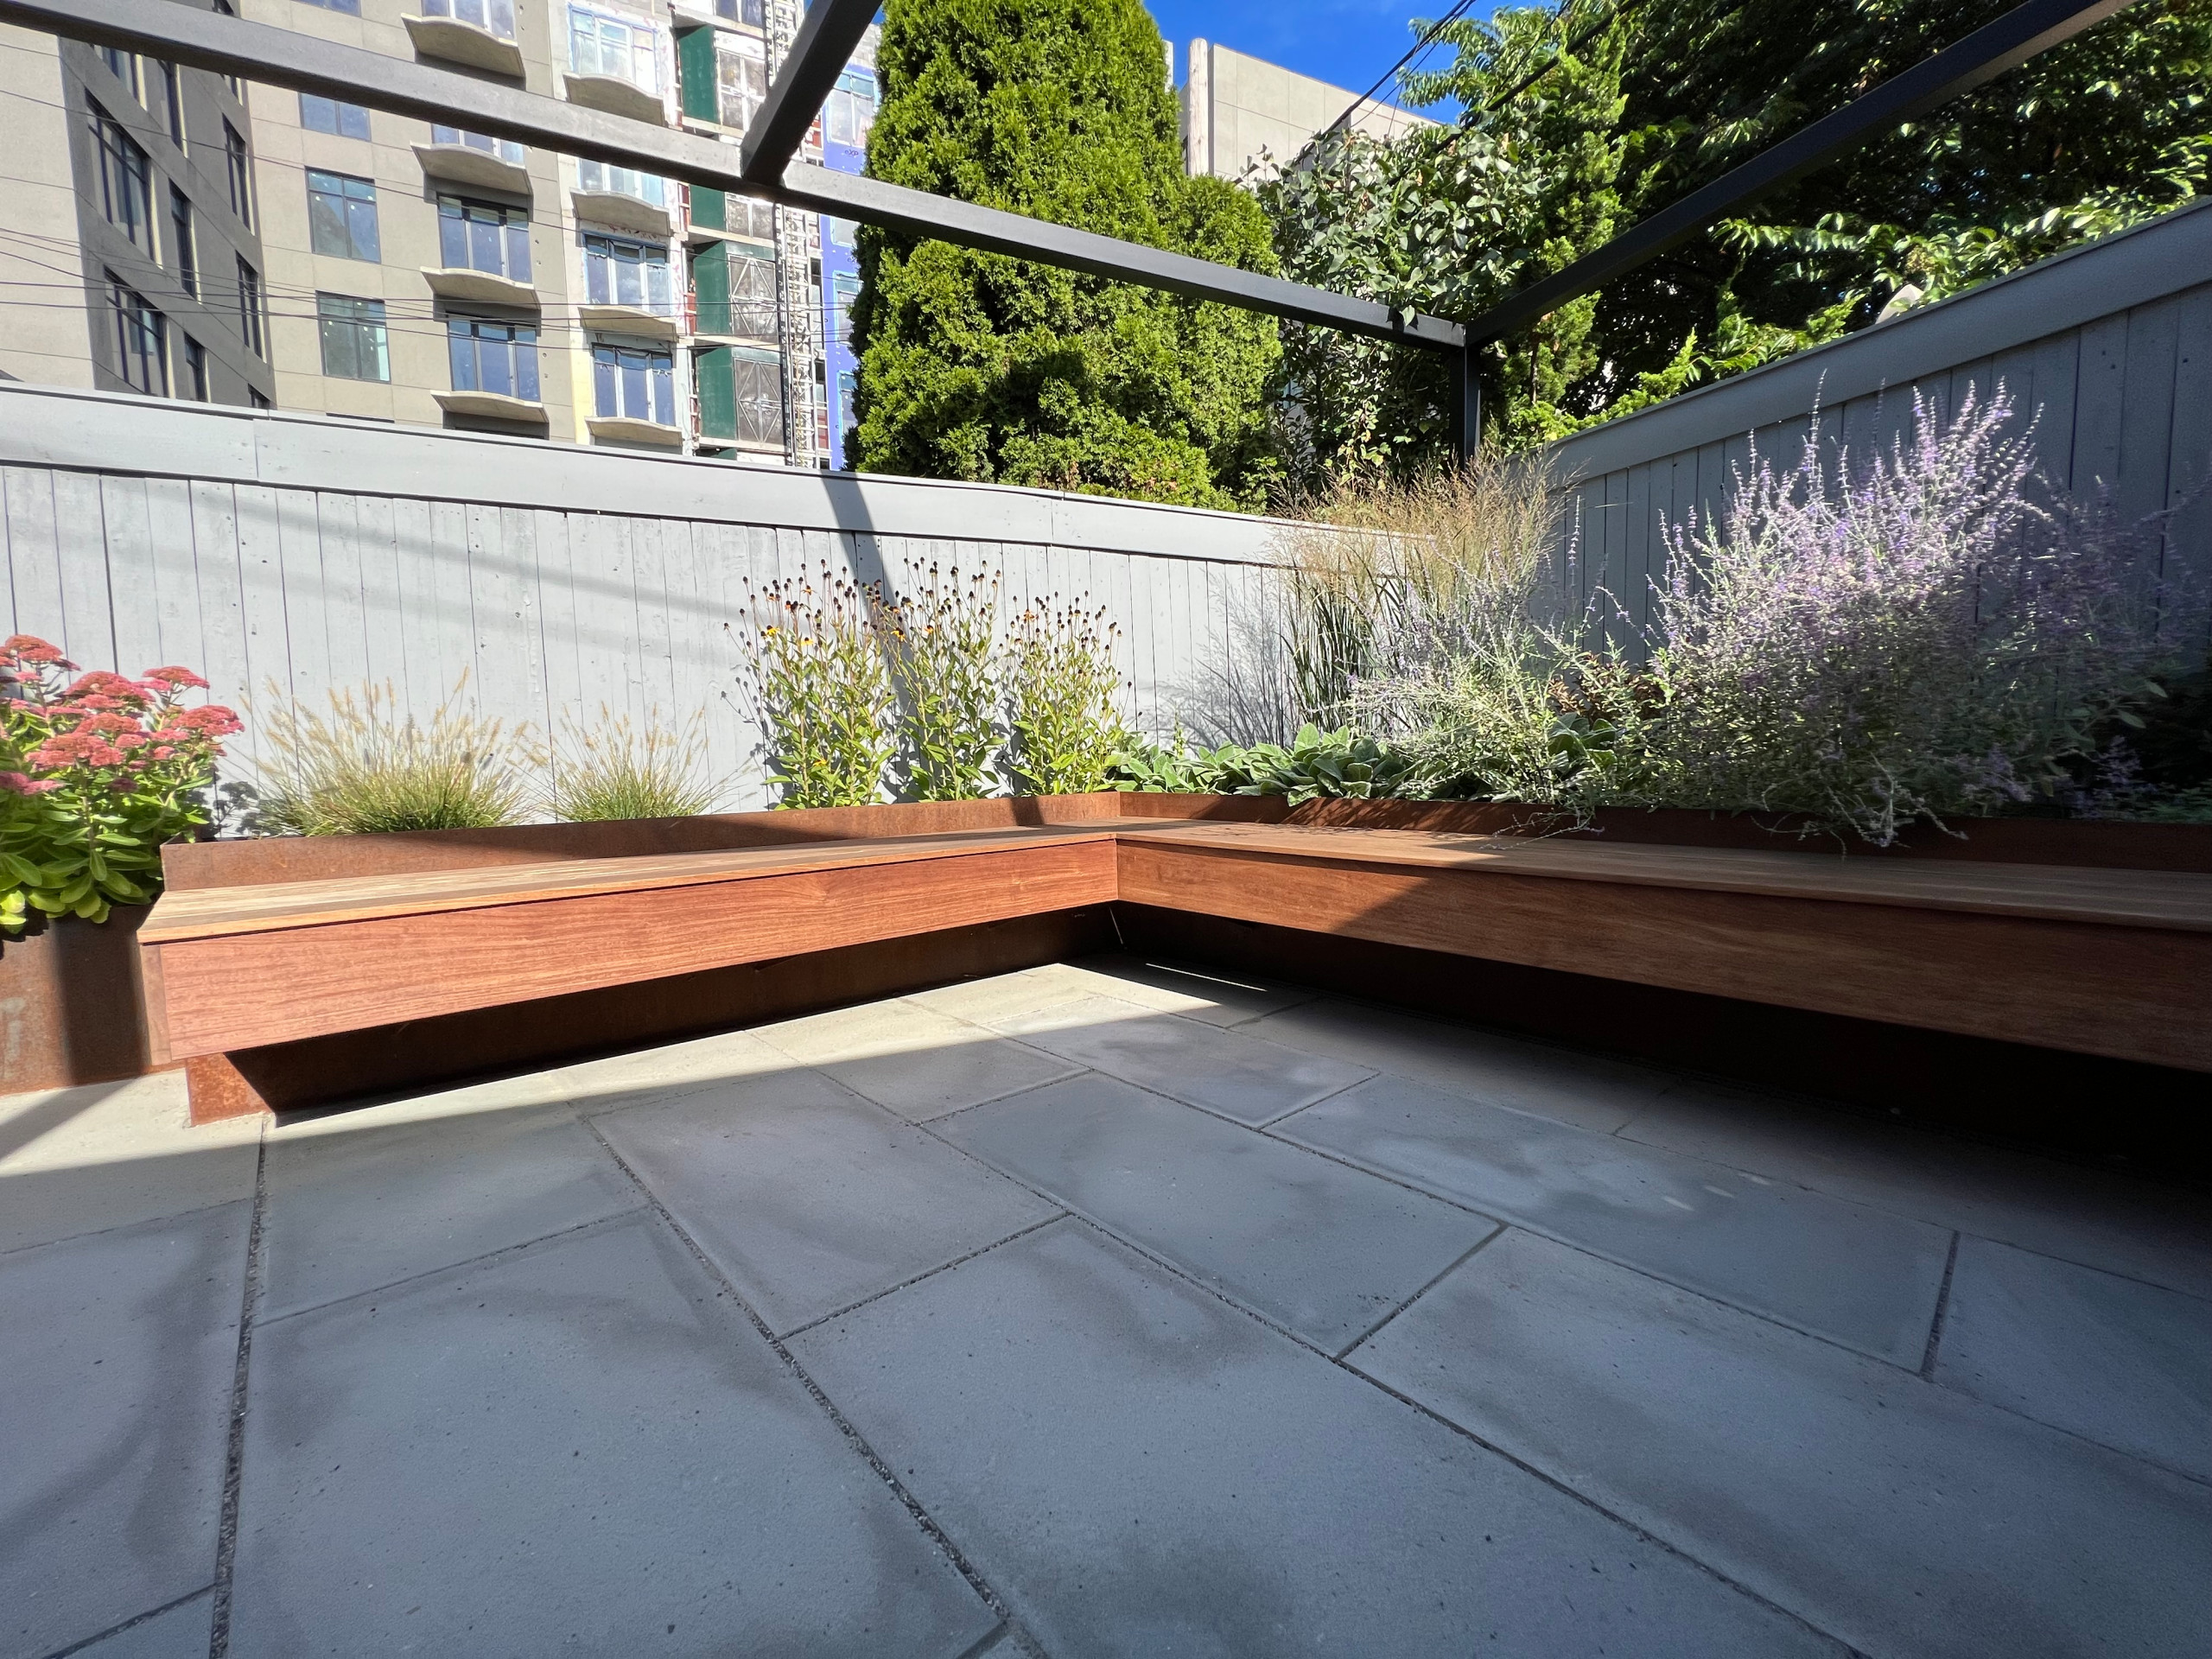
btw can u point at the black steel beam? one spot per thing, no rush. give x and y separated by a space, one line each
278 57
824 45
1982 56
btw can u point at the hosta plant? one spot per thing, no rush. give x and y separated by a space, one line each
1314 764
96 773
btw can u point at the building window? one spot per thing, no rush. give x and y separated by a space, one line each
195 369
599 179
342 216
354 342
184 254
254 395
851 109
141 340
600 44
735 285
506 149
126 183
480 236
124 66
497 356
495 16
844 293
742 11
172 102
241 174
250 307
329 115
741 77
635 384
618 271
351 7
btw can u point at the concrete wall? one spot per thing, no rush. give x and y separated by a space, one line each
1241 113
2106 353
316 553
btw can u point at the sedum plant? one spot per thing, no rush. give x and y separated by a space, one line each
1063 697
95 774
612 770
364 768
944 649
820 681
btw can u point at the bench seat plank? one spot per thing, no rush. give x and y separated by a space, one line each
210 913
2122 897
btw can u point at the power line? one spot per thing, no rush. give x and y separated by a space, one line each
1434 30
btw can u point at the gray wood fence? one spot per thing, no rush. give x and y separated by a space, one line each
305 554
2106 350
285 557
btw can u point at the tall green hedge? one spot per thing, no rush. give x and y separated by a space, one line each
976 365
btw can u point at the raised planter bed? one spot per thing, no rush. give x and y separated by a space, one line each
71 1009
279 967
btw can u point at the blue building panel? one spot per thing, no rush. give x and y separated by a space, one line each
846 118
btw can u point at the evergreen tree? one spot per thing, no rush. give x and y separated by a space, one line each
976 366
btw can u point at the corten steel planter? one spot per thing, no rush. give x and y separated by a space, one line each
72 1006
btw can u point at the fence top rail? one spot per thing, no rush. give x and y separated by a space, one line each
128 434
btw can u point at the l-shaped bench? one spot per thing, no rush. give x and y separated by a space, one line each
2111 961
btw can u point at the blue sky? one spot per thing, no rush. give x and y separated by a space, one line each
1350 43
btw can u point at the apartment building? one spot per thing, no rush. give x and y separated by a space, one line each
339 260
130 254
846 119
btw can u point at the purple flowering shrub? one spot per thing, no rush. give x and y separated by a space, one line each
1925 634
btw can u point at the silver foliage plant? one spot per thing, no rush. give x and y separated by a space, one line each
1929 634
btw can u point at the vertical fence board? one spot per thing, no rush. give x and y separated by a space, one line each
134 613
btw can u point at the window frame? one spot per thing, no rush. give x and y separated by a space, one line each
341 114
345 322
251 329
640 47
506 149
141 334
606 253
479 331
184 250
127 174
238 165
652 376
355 200
489 15
513 237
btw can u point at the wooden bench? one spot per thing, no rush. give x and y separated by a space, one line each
2112 962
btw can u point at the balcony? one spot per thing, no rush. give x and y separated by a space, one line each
477 168
634 320
619 210
615 96
457 41
472 287
621 429
493 406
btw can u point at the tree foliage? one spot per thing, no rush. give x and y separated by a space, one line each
1639 103
977 366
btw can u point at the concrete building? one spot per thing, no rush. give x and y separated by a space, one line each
1242 115
395 269
131 257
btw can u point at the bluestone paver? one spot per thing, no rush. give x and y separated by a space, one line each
349 1209
920 1063
119 1350
1234 1075
1219 996
2127 1364
2120 1222
1139 1469
1324 1251
809 1199
1858 1276
1901 1516
180 1633
110 1154
617 1080
581 1446
1587 1090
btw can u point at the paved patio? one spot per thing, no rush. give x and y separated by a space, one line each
1101 1309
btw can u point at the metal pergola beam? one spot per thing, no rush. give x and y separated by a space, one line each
278 57
1982 56
826 39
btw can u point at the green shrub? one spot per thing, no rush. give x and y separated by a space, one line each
612 770
366 769
1316 763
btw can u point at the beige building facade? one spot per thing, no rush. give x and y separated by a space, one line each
1245 116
